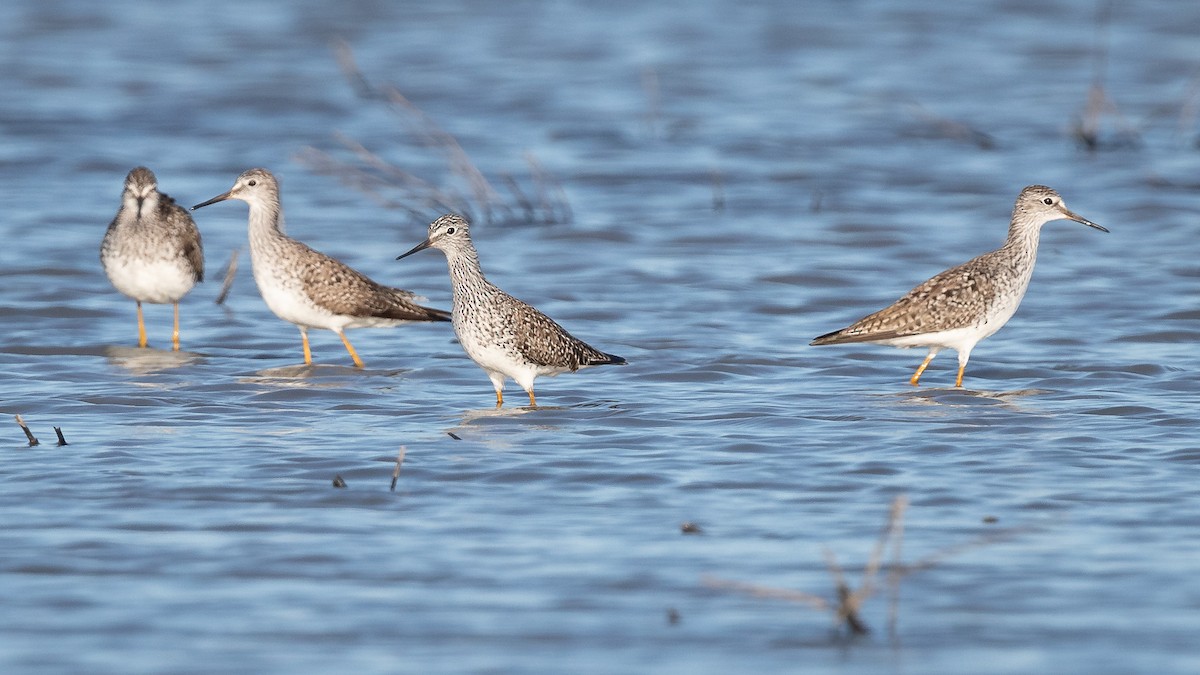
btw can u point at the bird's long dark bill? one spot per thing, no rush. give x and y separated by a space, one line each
1080 219
214 200
419 247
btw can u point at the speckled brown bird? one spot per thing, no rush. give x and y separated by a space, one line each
152 250
967 303
306 287
504 336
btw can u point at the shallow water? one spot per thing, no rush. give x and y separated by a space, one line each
742 178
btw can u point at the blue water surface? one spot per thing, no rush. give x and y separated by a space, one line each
713 184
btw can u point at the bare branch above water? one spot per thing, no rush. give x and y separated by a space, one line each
230 272
467 190
33 441
848 601
396 471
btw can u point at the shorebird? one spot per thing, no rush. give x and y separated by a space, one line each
306 287
965 304
501 334
151 251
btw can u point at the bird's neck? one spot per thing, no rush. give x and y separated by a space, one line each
465 272
266 222
1022 242
267 242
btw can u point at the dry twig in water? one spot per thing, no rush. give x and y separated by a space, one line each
474 197
953 129
754 590
849 601
396 471
28 434
230 271
1086 128
1189 108
718 190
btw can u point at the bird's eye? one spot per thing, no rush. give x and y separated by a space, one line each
449 230
254 182
1047 201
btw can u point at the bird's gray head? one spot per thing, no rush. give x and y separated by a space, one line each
254 186
140 186
1038 205
449 233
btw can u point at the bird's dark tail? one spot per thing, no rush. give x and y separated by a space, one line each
607 360
827 339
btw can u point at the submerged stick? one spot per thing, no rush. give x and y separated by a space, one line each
758 591
848 604
28 434
395 472
718 189
230 271
894 574
552 197
1087 126
1191 105
470 193
61 441
652 90
345 58
849 601
953 129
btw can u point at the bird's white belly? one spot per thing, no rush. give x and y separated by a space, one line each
157 282
498 359
289 302
491 357
956 339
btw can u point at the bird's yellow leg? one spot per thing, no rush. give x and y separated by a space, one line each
532 400
499 398
175 332
141 326
921 369
958 380
304 342
350 348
